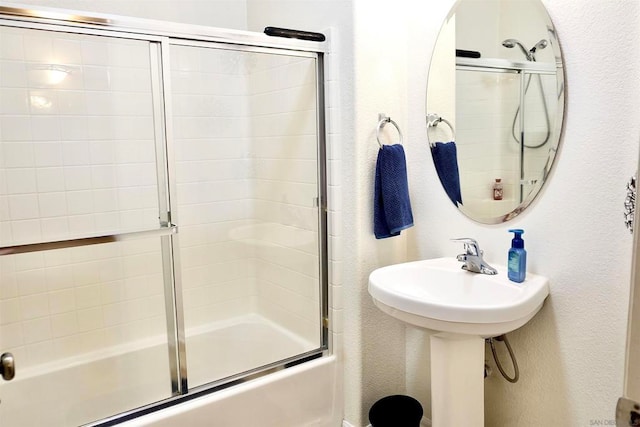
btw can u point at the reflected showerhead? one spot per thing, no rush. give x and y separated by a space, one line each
530 54
540 45
511 43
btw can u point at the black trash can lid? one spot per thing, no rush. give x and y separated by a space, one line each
396 411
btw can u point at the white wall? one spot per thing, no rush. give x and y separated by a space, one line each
571 355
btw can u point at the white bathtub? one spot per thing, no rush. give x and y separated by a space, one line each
59 394
302 396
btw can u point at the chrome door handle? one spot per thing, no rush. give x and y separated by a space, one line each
7 366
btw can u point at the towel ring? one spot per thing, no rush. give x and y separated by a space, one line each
383 121
434 119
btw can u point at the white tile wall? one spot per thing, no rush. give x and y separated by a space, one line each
81 299
75 152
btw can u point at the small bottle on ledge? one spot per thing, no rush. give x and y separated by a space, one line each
497 189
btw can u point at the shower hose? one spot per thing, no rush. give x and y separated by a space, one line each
546 114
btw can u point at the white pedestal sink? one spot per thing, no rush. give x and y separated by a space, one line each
461 309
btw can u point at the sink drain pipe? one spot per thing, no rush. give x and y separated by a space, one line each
516 371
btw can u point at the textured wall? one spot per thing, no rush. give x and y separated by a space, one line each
571 355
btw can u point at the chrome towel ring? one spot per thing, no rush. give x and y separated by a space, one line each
383 120
433 120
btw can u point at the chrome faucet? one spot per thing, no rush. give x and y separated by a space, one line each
472 257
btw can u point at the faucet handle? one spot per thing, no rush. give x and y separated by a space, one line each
471 246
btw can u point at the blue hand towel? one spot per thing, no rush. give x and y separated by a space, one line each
392 207
445 158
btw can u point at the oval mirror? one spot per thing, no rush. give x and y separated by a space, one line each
495 105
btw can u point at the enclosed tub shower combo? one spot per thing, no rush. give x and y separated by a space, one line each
162 214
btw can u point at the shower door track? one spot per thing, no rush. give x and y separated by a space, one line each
496 65
161 35
146 28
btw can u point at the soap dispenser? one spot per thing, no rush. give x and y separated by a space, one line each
517 262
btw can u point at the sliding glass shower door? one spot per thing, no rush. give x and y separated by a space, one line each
247 172
82 287
162 218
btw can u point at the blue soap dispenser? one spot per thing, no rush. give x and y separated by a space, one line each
517 263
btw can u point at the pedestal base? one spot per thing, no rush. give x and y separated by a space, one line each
457 381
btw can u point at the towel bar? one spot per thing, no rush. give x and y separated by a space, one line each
383 120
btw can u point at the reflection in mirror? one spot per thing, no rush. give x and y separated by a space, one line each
495 104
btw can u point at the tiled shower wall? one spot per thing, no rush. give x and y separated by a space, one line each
78 158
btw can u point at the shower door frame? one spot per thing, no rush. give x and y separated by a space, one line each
524 70
160 36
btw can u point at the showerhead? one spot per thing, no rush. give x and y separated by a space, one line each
530 54
511 43
538 46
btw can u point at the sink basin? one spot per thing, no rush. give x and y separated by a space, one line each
437 294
